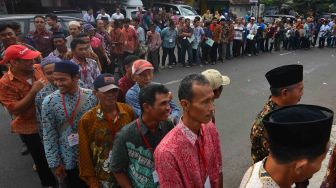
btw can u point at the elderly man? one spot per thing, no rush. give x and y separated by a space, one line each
61 50
74 29
97 129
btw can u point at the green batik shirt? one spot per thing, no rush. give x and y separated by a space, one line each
130 154
258 134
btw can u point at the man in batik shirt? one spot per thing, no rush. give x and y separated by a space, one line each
61 112
286 89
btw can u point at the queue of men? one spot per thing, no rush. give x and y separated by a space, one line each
85 127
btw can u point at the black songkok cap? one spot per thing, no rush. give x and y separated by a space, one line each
66 66
285 76
298 127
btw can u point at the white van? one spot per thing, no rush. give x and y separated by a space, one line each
181 10
130 7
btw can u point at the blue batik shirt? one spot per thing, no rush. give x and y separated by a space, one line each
55 136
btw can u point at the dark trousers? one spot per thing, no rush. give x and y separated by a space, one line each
170 53
179 54
206 53
250 47
321 42
186 48
237 45
117 64
35 147
72 179
261 44
214 50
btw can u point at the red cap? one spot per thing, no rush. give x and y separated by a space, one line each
141 65
19 52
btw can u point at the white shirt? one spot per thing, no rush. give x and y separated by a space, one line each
88 18
117 16
105 15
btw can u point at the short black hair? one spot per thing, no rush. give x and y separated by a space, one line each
15 26
80 35
52 16
39 16
284 155
130 59
185 88
180 19
127 20
75 42
276 92
148 93
5 25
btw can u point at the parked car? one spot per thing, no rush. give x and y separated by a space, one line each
271 18
72 13
27 21
181 10
130 7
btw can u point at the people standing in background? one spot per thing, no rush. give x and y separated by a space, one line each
216 37
88 16
207 16
88 68
106 60
59 42
74 29
117 48
196 44
142 49
131 42
154 42
117 15
103 14
251 37
206 48
185 36
40 38
238 37
55 27
126 82
169 36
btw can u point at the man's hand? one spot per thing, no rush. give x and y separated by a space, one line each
60 172
38 85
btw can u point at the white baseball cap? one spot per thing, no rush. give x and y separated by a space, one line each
215 78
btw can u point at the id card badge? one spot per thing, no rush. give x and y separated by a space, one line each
155 176
207 183
73 139
170 40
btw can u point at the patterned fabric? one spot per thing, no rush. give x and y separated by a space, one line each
55 134
88 72
179 162
118 39
130 154
132 98
40 96
95 144
125 84
58 54
258 135
169 37
14 88
131 40
257 177
41 41
106 40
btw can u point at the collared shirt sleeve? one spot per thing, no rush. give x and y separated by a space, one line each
168 170
119 160
8 97
50 135
132 98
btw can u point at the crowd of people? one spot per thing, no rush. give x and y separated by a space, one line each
83 101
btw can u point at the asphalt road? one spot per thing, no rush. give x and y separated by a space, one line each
235 110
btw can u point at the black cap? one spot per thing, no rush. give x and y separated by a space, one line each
285 76
67 66
105 82
298 126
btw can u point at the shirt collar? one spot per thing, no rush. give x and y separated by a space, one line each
143 128
265 178
191 136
